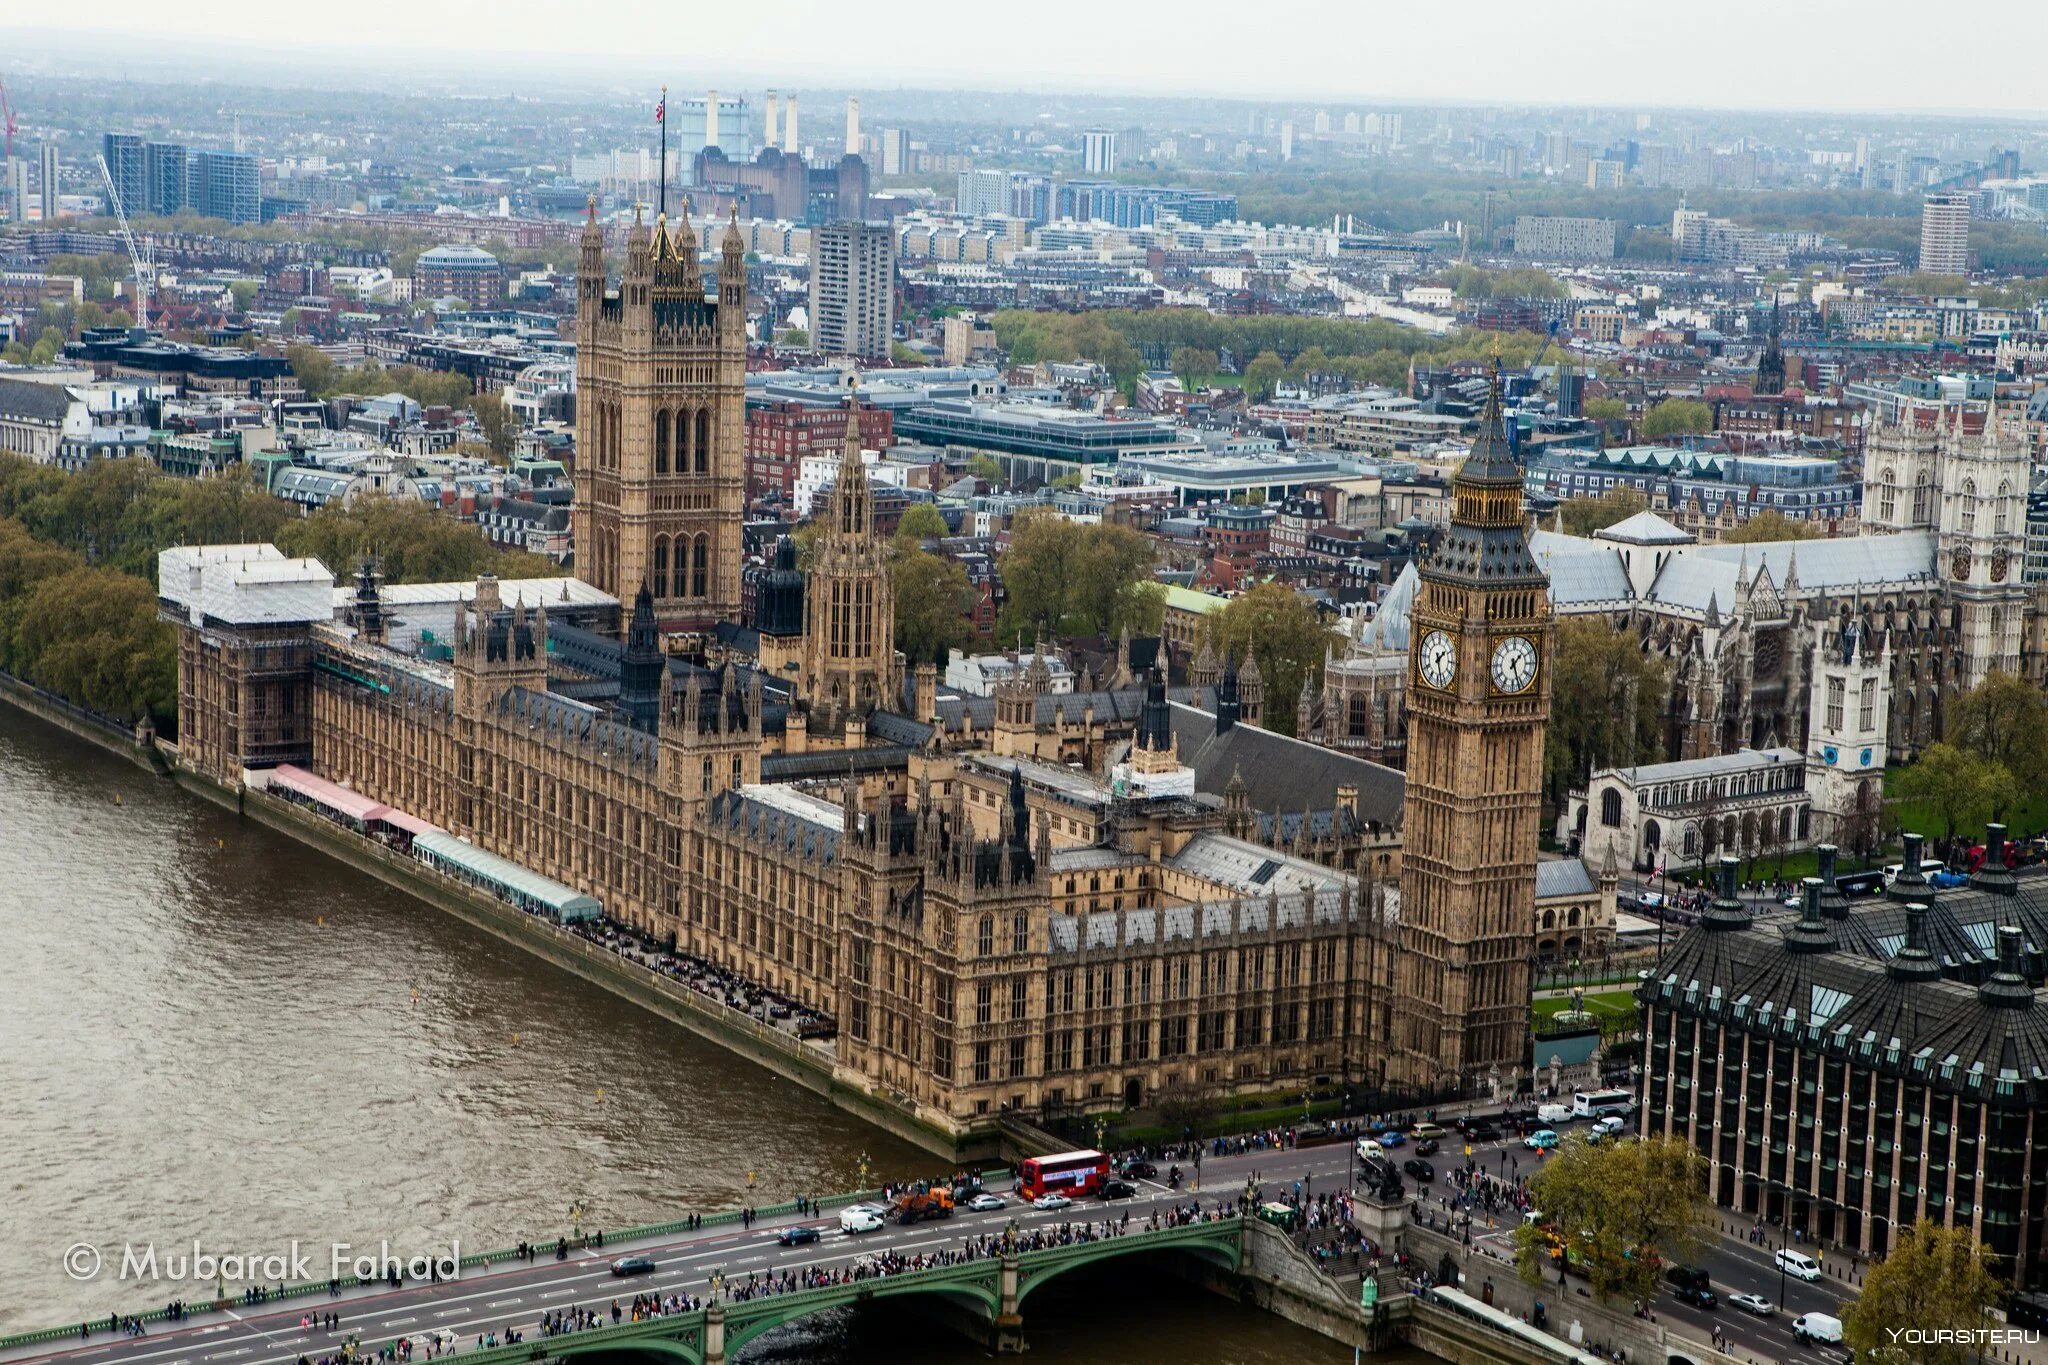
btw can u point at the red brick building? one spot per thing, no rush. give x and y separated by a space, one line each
778 437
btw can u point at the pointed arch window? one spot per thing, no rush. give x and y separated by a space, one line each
660 588
701 454
1998 510
1887 493
661 443
1969 506
699 555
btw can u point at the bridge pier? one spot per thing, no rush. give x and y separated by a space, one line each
714 1334
1007 1337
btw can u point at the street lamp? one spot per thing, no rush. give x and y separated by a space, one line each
717 1284
861 1179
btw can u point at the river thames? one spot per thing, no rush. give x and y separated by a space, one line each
210 1033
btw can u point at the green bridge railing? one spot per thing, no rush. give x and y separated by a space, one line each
682 1335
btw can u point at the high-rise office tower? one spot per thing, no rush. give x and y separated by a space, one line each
17 189
1098 151
853 289
1945 234
1287 140
227 185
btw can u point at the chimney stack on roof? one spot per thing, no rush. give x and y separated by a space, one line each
774 109
711 118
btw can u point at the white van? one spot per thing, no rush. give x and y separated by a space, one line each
854 1221
1798 1264
1553 1114
1812 1327
1368 1149
1928 867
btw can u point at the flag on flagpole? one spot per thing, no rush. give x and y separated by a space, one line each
661 110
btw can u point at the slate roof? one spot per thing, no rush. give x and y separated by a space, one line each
27 402
1845 997
1282 773
1581 572
1564 877
1645 528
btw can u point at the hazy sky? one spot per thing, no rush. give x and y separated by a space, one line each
1808 54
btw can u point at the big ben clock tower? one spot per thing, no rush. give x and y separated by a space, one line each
1479 656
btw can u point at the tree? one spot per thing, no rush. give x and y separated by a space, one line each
1584 516
1955 785
1194 364
1185 1108
243 293
2004 721
795 337
985 468
313 367
1263 375
1676 417
1605 410
1061 577
1287 635
922 521
933 602
1933 1278
414 543
1606 703
496 422
1768 525
1609 1205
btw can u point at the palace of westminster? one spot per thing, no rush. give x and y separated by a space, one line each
1030 899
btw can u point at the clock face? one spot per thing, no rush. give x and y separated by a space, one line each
1999 566
1439 659
1514 664
1959 563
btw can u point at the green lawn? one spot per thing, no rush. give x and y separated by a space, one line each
2028 818
1597 1003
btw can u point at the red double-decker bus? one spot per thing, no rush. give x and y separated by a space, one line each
1070 1173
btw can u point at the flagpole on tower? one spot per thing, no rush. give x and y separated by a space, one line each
661 117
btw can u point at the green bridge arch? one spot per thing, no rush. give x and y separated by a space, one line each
683 1338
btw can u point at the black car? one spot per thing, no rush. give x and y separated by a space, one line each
1699 1296
1140 1170
1482 1131
1117 1189
796 1237
1687 1277
1426 1147
633 1265
1419 1171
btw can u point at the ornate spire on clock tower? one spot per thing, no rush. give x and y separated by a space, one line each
1478 701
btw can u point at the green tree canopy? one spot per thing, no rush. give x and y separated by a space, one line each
1584 516
1958 788
922 521
1605 410
1194 364
1933 1278
1606 704
496 422
1287 635
933 602
1677 417
1608 1205
2004 721
1062 577
413 543
1768 525
1263 375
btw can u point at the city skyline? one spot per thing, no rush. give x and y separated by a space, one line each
1808 66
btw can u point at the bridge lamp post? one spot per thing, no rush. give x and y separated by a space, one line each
861 1183
717 1286
576 1219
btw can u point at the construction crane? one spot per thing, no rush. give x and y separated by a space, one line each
142 257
